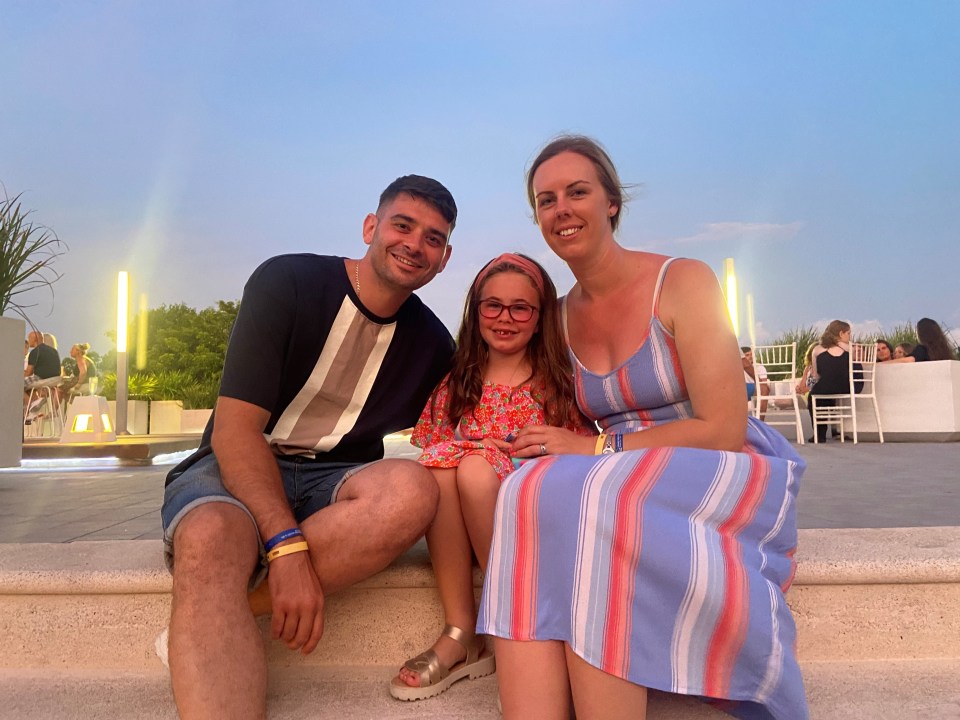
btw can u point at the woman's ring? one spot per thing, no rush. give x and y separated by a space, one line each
543 449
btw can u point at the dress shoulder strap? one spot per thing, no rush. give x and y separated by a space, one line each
655 310
563 319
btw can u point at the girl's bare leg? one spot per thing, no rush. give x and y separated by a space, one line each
452 560
478 485
533 679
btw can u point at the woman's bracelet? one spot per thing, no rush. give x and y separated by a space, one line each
601 439
287 550
280 537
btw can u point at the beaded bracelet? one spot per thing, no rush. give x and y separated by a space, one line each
287 550
280 537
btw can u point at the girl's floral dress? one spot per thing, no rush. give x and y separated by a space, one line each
502 411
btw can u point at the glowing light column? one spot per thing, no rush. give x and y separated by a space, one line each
730 283
123 302
751 322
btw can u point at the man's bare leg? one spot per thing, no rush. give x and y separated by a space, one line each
217 662
380 513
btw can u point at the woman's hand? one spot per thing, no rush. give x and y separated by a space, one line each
537 440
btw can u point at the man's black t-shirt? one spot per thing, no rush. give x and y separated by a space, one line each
335 377
45 361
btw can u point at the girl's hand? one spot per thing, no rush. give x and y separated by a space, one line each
497 443
537 440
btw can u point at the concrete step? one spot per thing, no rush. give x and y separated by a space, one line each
858 594
866 690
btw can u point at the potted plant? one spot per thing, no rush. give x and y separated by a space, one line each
27 252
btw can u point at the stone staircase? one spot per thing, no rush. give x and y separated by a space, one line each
878 614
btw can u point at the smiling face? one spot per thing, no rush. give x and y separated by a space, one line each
502 334
572 208
408 243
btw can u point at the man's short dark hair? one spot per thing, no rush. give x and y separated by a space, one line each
746 349
426 189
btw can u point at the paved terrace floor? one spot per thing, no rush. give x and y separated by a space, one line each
845 486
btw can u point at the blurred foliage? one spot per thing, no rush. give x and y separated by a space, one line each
808 337
899 334
184 354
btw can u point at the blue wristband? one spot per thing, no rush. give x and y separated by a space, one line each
280 537
618 442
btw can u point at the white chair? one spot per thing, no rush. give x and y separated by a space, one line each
46 419
863 369
781 405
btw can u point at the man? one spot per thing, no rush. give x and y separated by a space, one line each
755 374
43 363
327 356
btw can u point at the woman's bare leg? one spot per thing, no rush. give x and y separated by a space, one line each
600 696
533 679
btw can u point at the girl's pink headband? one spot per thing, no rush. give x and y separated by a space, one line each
529 269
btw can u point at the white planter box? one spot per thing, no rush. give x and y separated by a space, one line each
194 421
12 333
165 417
919 402
136 416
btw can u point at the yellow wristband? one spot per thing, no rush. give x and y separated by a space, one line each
601 438
287 550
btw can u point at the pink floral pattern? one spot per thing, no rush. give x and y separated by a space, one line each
502 410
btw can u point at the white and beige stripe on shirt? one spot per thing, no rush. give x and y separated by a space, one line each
328 405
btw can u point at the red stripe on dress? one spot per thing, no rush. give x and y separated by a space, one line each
791 553
627 399
731 627
625 551
527 554
671 346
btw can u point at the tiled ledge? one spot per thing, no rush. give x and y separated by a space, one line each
824 557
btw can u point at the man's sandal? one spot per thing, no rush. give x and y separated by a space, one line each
435 678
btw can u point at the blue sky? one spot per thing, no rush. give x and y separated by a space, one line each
815 143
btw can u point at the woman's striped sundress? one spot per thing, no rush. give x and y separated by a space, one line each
664 566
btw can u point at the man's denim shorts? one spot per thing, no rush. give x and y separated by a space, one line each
310 486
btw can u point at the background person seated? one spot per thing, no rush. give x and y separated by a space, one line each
79 384
831 365
755 375
43 363
809 378
902 350
884 350
933 344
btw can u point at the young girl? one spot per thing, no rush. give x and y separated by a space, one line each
511 369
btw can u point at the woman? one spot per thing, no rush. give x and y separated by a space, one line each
831 367
86 369
654 555
933 344
902 350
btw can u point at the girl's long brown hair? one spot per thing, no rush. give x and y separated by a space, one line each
546 353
